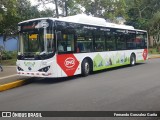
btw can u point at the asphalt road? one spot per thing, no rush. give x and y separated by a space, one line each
120 89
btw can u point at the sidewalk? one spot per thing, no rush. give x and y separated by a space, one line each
9 78
152 56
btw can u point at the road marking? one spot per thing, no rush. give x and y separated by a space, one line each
8 76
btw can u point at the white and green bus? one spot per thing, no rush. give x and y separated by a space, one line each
80 44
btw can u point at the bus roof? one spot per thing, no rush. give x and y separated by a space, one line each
88 20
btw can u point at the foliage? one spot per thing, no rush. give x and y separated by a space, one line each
9 55
141 12
68 7
145 14
154 50
7 13
155 23
108 9
14 11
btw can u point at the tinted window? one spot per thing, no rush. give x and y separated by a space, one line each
99 41
110 41
141 40
85 39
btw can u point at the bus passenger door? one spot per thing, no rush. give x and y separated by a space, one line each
66 59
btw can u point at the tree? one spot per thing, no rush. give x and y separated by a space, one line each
67 7
12 12
108 9
155 27
143 14
7 13
47 13
55 2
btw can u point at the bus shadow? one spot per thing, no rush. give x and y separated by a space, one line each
65 79
54 80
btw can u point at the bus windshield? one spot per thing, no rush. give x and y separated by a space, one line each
36 38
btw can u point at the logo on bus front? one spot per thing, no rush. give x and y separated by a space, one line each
69 62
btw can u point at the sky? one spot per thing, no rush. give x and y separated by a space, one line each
49 6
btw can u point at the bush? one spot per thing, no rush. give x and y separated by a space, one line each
158 48
9 55
155 50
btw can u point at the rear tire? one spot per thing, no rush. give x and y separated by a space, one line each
85 67
132 60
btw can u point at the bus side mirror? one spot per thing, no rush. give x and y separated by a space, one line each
59 36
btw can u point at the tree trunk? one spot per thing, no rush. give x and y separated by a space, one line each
151 41
66 9
56 5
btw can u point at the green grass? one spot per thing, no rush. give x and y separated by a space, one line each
153 51
10 62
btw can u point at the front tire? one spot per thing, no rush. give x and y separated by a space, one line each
85 67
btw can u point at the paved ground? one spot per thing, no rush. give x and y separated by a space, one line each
150 56
9 74
121 89
8 70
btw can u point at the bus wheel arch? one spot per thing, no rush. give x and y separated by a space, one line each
133 59
87 66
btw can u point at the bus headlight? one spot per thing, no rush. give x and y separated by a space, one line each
45 69
19 68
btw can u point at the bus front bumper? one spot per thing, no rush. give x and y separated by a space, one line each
35 74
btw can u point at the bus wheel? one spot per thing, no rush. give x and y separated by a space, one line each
132 60
85 67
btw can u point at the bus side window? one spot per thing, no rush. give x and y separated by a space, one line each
81 47
140 41
110 44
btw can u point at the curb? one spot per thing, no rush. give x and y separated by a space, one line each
15 84
11 85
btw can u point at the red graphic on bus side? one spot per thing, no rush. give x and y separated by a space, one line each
145 53
68 63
